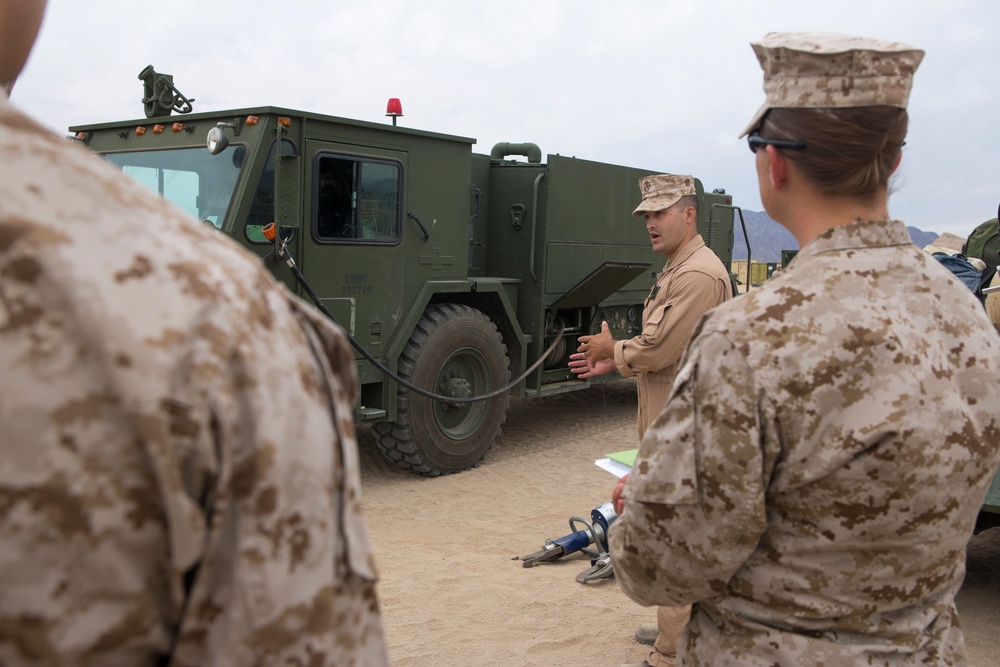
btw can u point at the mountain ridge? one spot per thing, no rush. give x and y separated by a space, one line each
768 238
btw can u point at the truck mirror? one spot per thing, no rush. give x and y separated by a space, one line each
286 185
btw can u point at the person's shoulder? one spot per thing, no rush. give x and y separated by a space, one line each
733 315
704 260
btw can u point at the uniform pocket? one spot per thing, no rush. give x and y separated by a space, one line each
656 315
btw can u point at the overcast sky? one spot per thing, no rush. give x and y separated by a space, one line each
663 85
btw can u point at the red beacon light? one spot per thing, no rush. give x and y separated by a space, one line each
394 108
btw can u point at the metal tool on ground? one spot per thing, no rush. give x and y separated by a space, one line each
593 532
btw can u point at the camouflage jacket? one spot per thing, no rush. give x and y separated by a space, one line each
816 474
684 291
179 482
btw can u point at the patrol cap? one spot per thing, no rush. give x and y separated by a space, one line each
947 243
662 191
823 70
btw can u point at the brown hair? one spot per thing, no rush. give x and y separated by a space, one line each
850 152
685 201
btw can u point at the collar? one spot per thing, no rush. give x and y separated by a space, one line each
856 235
696 243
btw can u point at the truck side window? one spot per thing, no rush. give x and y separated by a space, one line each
356 199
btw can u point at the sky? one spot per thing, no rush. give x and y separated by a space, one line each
661 85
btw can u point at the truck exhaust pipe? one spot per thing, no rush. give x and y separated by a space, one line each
505 149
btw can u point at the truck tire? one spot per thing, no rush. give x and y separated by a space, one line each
454 351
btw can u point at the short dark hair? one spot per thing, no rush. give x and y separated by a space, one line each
685 201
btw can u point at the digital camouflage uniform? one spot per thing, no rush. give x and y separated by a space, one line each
179 482
817 472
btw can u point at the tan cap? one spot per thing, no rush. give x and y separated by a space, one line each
948 241
662 191
822 70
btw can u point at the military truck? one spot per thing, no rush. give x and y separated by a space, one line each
454 272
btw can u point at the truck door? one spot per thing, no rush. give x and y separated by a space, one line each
352 253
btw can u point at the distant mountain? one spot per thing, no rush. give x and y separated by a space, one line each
768 238
921 238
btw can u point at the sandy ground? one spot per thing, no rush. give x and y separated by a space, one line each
452 591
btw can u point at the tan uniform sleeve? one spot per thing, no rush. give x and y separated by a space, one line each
694 508
668 326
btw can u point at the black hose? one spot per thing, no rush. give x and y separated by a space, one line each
379 365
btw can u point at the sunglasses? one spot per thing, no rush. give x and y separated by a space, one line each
756 141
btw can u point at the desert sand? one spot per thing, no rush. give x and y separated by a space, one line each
452 590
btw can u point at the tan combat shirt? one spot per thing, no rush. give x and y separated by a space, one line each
815 476
686 289
179 482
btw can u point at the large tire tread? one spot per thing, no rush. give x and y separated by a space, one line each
399 440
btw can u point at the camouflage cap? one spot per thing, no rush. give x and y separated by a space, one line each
662 191
828 70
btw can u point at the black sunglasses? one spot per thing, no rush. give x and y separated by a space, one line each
756 141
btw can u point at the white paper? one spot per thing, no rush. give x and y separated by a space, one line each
617 469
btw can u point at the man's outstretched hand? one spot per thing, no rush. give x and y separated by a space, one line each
585 368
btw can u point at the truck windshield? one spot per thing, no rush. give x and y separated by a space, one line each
191 178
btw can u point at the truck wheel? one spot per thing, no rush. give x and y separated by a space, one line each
454 351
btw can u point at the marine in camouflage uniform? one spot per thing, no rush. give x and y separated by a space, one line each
816 474
693 281
179 482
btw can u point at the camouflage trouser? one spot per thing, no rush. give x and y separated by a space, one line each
670 622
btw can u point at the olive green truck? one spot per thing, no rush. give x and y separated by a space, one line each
455 271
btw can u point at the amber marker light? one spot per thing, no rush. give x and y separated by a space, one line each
140 130
284 121
177 127
158 129
253 120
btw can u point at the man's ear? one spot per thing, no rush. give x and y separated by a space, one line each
691 215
